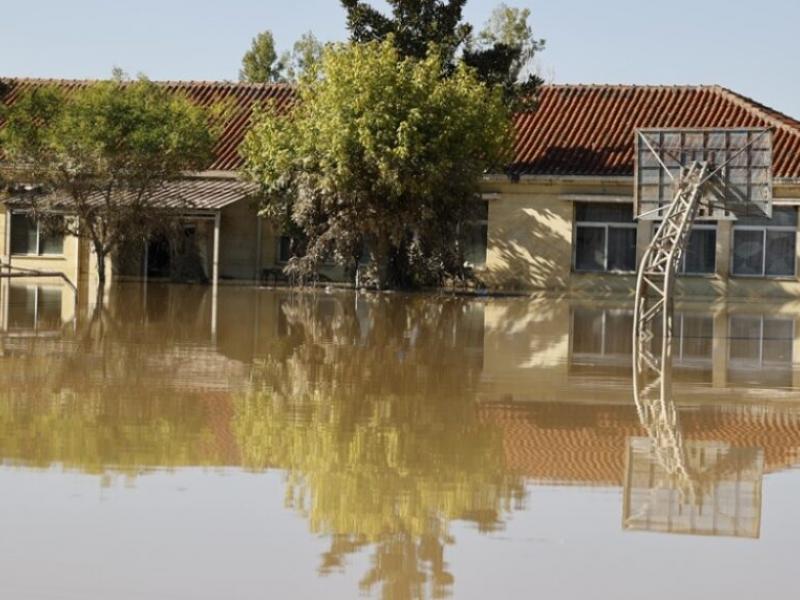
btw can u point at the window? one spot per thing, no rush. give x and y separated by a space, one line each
761 350
34 308
284 249
476 237
700 257
605 237
602 334
766 247
28 237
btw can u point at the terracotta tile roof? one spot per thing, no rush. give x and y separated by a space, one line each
242 96
589 129
577 129
583 444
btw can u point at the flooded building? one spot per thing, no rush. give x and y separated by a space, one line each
559 218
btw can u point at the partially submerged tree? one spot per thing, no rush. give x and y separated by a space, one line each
94 162
260 63
381 157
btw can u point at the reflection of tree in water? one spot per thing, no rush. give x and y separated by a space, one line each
370 410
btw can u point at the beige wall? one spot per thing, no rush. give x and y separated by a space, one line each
528 353
67 263
531 230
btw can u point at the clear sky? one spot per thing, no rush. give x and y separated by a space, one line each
751 46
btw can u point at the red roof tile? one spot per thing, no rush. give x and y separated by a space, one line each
242 96
577 129
586 444
589 129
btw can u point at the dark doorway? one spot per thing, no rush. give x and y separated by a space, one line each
158 256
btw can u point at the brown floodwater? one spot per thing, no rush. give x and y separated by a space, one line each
270 444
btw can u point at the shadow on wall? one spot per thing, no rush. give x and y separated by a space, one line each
530 246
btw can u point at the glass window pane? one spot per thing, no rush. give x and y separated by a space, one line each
590 249
780 253
745 339
782 216
52 243
619 333
701 252
475 242
23 234
698 334
621 249
49 308
587 331
748 252
21 307
778 340
604 212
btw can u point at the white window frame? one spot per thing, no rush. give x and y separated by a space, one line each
605 225
701 227
38 253
680 358
605 356
37 290
742 363
763 229
480 223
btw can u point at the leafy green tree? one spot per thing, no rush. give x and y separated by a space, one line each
366 411
503 54
260 63
305 55
414 24
500 52
381 156
101 155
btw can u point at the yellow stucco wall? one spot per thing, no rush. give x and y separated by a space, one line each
531 229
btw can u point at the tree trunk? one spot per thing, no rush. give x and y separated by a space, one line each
100 254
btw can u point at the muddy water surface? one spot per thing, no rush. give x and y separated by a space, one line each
268 444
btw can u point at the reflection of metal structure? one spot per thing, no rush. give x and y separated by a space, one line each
678 486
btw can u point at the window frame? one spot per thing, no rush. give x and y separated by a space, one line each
697 226
763 229
482 222
744 363
605 226
38 253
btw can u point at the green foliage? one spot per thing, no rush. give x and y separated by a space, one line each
380 152
370 431
303 59
500 53
503 54
101 152
414 24
260 63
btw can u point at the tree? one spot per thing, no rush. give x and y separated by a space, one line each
414 24
305 54
260 64
504 51
100 155
380 155
500 54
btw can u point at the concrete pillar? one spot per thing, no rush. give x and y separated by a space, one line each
644 233
215 274
724 246
720 349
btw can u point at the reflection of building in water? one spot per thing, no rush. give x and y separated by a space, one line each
721 494
34 308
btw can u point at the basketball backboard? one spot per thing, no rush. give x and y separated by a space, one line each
740 167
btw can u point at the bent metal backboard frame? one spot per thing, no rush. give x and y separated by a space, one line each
739 180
